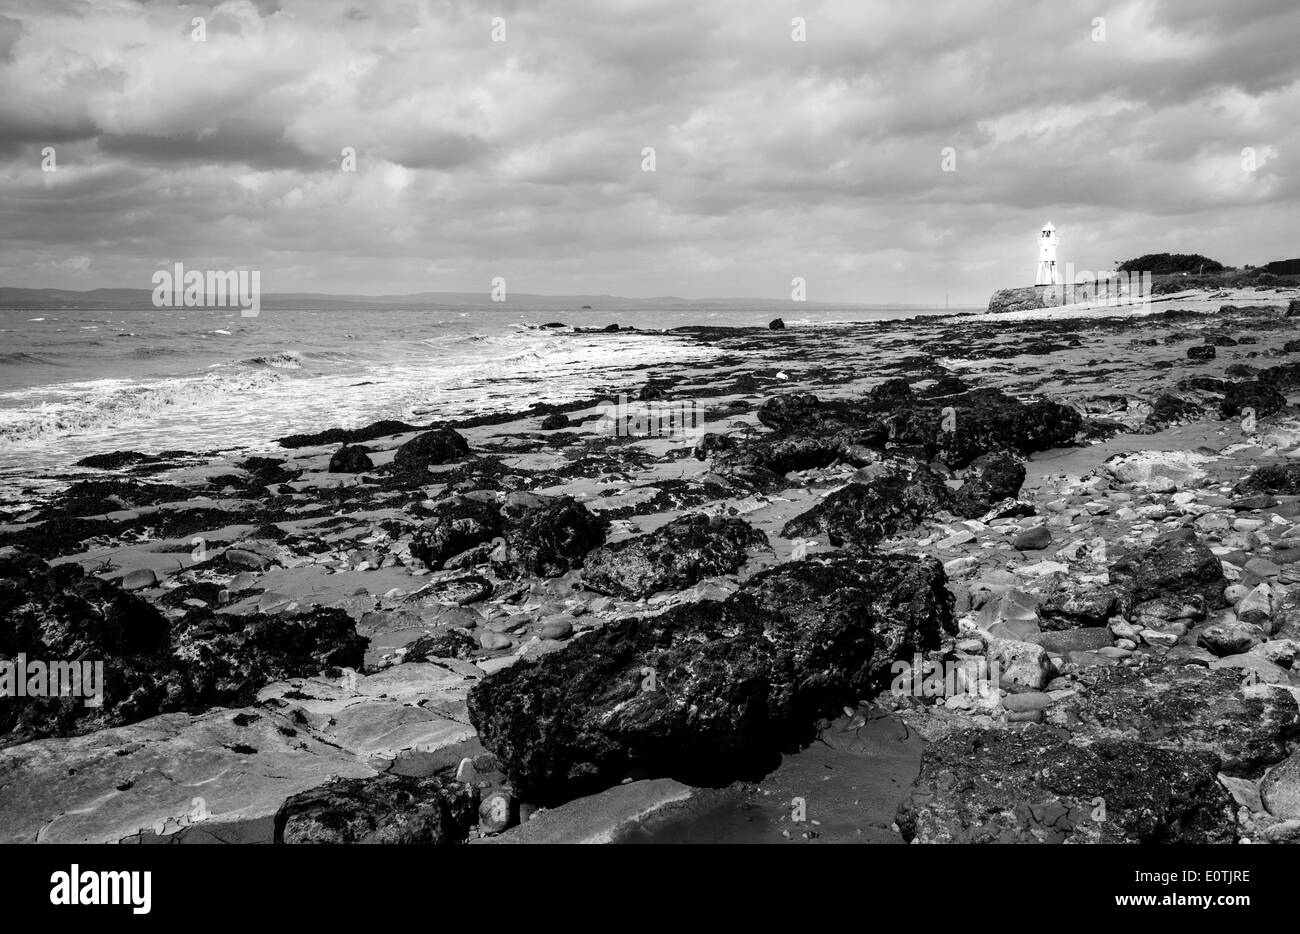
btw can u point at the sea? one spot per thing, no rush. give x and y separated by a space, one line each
76 382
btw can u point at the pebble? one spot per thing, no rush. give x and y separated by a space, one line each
496 813
556 629
1234 592
1263 567
1032 539
139 579
959 538
1123 629
1031 700
1242 524
959 566
1257 606
1025 716
247 559
494 640
1155 637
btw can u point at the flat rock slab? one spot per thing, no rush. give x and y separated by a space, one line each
416 706
1184 707
317 585
112 784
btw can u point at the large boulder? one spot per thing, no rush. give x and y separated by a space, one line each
1183 707
906 598
1255 394
977 422
351 458
674 556
1069 603
548 536
385 809
150 666
429 450
988 480
707 692
891 499
1176 565
1035 786
1274 478
457 524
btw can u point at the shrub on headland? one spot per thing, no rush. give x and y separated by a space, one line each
1163 264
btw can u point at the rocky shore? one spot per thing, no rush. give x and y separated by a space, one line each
950 579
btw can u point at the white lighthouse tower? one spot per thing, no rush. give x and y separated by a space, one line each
1047 240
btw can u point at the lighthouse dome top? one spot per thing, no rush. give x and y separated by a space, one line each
1048 227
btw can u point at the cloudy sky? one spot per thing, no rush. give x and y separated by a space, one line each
523 158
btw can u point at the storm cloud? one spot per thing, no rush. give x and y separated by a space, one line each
1135 127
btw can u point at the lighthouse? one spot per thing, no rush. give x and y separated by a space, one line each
1047 240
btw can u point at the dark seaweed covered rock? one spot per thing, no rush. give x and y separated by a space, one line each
1251 394
990 479
805 414
385 809
1035 786
549 537
894 497
1185 708
380 429
114 460
981 421
1176 565
707 692
458 524
1201 352
780 453
1070 603
1274 478
96 497
1285 376
264 471
351 458
150 667
674 556
1169 408
947 422
429 450
905 598
448 643
225 659
654 389
61 535
61 614
808 433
